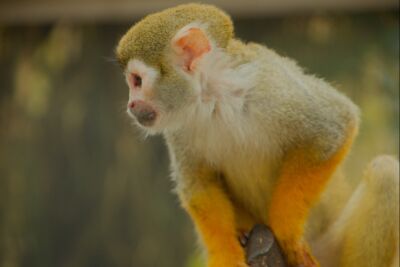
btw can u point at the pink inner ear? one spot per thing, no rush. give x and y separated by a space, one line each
193 44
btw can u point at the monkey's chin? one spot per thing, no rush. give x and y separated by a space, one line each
150 131
152 128
159 125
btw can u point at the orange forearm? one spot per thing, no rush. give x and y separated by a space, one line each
301 182
213 215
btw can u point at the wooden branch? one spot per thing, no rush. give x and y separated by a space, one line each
262 249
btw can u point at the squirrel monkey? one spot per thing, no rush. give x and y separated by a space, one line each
252 138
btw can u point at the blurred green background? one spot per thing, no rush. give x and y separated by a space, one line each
79 186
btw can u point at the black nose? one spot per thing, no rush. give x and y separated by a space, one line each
143 112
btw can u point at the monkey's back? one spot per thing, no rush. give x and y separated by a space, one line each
298 108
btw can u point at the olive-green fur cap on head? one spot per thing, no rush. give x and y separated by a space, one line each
148 39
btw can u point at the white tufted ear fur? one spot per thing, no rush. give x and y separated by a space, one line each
190 44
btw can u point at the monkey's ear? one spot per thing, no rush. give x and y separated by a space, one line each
190 44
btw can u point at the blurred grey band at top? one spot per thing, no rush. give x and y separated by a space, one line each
47 11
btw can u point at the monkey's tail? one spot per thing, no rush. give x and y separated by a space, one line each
367 232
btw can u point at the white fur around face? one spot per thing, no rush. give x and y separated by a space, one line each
148 75
143 93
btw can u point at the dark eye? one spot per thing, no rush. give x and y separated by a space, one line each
136 80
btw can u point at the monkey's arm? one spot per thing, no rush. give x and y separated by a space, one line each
212 212
301 181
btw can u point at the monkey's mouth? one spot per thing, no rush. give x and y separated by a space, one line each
144 113
147 118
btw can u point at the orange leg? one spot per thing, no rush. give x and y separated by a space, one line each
213 215
299 186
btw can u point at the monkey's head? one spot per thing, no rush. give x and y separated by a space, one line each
160 56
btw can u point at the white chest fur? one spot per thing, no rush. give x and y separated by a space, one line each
230 136
243 153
